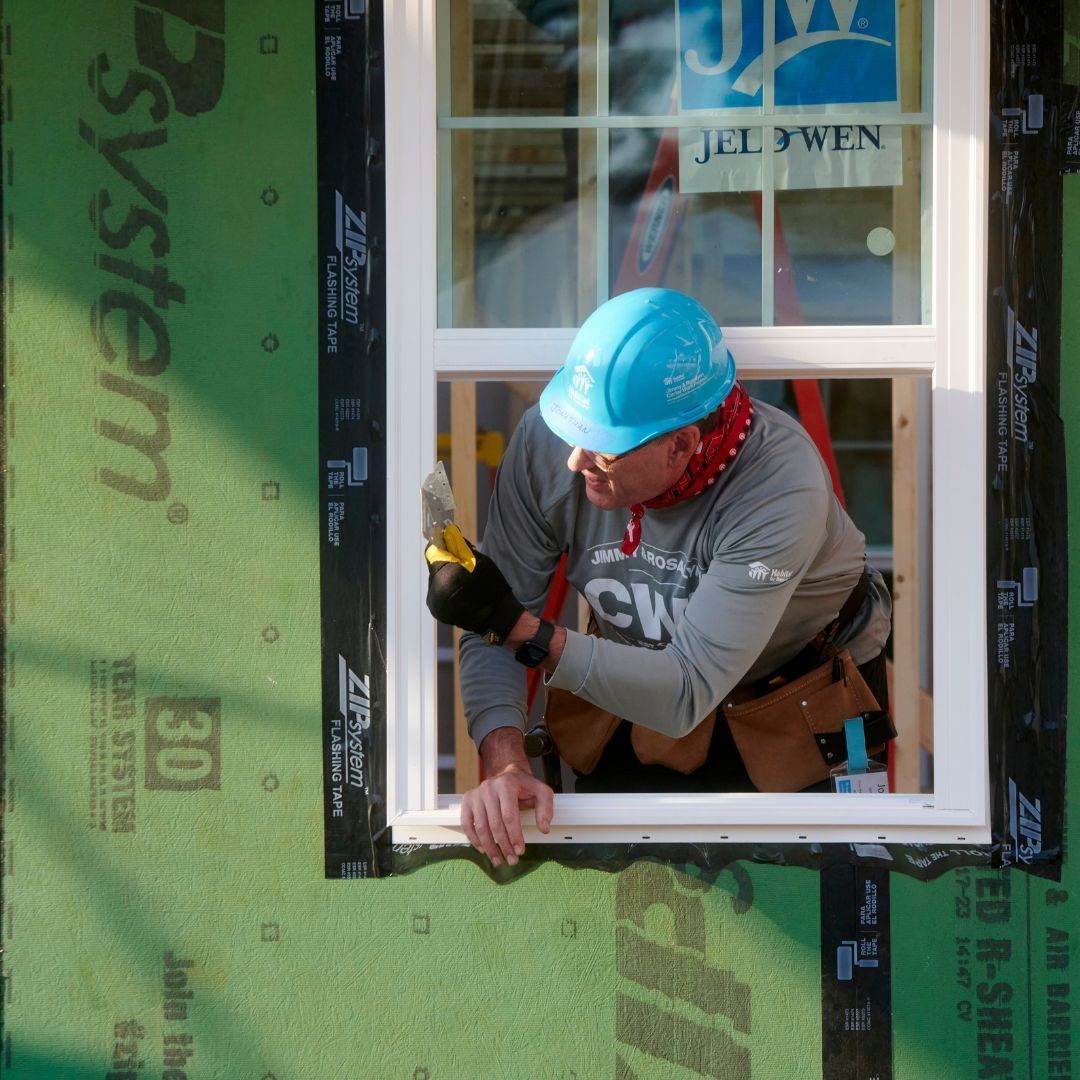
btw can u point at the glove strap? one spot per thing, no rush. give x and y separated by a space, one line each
503 618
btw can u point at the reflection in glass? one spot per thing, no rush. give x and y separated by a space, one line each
642 57
538 223
519 58
513 241
853 255
707 245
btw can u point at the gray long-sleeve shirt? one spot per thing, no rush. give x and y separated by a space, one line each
724 587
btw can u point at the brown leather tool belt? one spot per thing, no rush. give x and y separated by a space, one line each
788 727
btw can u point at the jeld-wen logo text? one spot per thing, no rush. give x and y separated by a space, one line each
181 67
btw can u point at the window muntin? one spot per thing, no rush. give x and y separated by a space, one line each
556 198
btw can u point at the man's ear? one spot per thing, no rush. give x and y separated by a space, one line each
688 438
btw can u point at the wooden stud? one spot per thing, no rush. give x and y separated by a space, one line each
584 613
906 227
463 165
926 721
463 480
463 394
587 143
906 619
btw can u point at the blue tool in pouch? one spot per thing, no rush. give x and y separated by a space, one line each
859 774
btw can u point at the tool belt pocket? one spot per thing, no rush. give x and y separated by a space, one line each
684 754
580 732
791 737
788 739
579 729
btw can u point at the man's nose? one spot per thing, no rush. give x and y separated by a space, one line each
578 461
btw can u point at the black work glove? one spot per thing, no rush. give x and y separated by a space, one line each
466 589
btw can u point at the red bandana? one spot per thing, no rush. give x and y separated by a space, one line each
712 457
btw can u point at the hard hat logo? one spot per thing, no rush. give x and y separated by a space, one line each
682 388
685 373
580 385
656 360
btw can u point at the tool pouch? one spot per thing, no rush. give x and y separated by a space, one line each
788 739
684 754
580 732
791 737
579 729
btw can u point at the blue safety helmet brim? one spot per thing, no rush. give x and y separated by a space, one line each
577 429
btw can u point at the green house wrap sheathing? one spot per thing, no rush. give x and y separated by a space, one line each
164 906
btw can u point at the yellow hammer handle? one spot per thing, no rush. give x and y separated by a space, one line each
456 550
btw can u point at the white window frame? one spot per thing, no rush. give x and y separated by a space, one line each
949 349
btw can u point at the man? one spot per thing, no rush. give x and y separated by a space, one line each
703 531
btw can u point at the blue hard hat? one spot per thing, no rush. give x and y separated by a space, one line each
643 363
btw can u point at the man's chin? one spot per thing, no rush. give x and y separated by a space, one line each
602 498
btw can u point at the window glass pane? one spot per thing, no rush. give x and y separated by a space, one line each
642 58
706 244
509 252
643 36
859 409
867 477
540 221
520 58
535 57
851 255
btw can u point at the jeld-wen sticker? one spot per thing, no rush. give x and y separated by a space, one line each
874 781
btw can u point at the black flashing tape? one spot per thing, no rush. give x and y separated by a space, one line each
708 861
1030 122
856 974
1033 139
352 422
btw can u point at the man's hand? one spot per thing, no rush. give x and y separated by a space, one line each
467 589
491 813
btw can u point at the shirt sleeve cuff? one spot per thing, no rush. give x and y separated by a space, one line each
575 663
496 717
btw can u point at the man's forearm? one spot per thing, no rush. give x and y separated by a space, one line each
504 748
526 626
